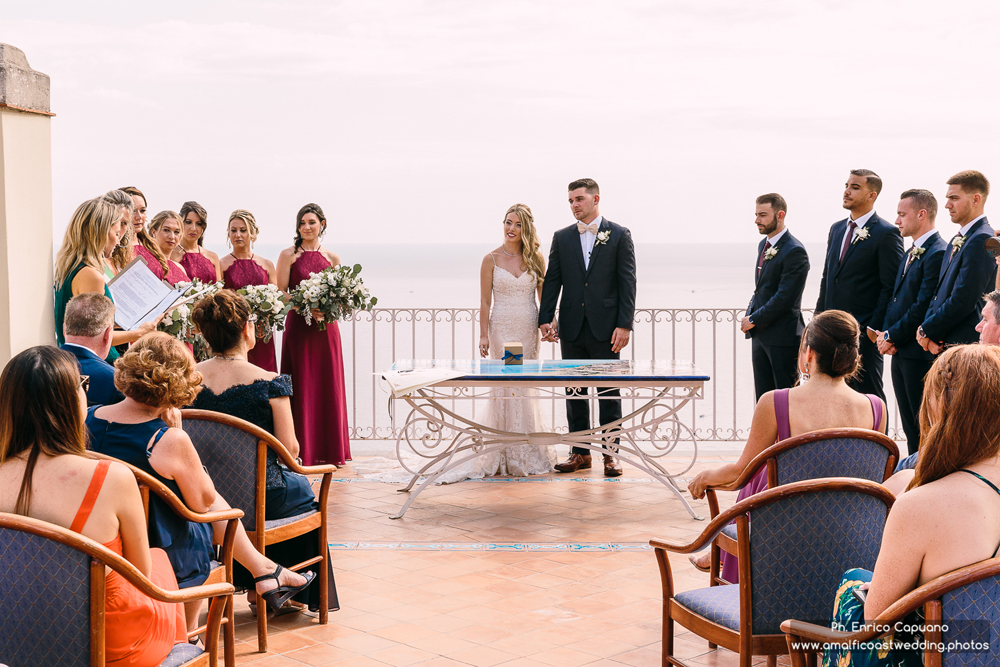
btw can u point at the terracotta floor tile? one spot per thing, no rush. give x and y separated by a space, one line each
401 656
562 656
480 634
521 645
602 647
404 633
278 661
321 654
482 656
441 644
640 657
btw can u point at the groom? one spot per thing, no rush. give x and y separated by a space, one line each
593 263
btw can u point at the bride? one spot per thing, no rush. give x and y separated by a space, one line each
511 283
511 280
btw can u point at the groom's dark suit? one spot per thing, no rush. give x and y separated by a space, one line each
596 299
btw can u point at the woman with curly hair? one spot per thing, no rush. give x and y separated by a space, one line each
157 376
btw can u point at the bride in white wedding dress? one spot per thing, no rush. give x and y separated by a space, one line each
511 283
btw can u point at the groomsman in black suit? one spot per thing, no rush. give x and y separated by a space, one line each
916 283
967 271
773 319
863 253
593 263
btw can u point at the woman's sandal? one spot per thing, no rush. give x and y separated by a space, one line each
693 559
276 597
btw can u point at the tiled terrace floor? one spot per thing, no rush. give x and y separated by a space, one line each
458 602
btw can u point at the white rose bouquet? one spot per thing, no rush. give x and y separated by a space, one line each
335 293
270 305
178 324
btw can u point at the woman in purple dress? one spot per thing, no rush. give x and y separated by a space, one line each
190 253
241 268
312 357
165 228
828 357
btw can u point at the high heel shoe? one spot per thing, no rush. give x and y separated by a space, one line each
276 597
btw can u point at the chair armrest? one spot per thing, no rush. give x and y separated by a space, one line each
286 458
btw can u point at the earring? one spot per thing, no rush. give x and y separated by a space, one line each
805 373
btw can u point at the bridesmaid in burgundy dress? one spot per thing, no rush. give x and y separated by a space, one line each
312 357
241 268
165 229
144 246
190 253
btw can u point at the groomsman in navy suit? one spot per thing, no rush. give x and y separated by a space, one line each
773 319
862 258
967 271
916 283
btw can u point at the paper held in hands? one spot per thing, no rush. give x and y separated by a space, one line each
872 335
140 296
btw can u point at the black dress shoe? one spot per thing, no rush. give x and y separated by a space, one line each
574 462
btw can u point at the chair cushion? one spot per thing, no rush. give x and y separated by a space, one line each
181 654
730 531
719 604
277 523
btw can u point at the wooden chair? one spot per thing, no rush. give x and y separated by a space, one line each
805 535
52 606
949 602
833 452
222 569
235 454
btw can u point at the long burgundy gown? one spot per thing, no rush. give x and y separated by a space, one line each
315 361
198 266
245 272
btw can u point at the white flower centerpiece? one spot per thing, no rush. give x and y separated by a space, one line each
335 293
270 305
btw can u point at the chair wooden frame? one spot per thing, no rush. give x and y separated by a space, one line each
103 558
742 642
262 538
147 483
768 458
927 596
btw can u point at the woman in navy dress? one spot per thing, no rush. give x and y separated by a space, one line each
312 357
242 268
190 253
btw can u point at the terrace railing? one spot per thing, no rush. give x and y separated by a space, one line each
708 337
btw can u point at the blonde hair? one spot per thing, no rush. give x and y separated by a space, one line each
86 237
160 218
123 253
247 217
529 241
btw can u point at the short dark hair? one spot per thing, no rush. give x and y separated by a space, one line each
971 181
994 298
923 199
872 180
776 201
88 315
588 183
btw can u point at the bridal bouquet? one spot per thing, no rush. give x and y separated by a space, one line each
270 305
335 292
178 324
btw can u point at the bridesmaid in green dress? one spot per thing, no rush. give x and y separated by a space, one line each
83 263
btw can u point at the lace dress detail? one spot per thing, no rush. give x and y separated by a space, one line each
513 318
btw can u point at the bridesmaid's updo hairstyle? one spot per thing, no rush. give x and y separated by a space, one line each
305 210
222 318
158 371
251 223
833 335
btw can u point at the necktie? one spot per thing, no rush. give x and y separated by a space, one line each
760 260
851 226
583 229
909 259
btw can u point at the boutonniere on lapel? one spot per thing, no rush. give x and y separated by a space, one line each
916 252
860 235
769 255
957 242
602 237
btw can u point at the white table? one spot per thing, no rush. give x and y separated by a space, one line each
444 439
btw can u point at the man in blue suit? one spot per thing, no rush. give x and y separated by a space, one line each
967 271
862 258
773 319
87 325
916 283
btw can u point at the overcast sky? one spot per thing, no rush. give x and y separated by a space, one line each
423 121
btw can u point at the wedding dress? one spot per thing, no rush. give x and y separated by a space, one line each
513 318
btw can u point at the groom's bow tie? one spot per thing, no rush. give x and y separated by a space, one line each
592 228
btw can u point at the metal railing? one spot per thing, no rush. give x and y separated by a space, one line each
708 337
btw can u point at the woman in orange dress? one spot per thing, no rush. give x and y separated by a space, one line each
45 475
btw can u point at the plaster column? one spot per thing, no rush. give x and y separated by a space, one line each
26 316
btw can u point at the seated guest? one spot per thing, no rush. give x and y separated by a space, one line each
949 516
88 325
828 357
234 386
45 474
157 377
165 229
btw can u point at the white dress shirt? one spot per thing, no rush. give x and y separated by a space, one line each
965 228
773 240
587 242
860 222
